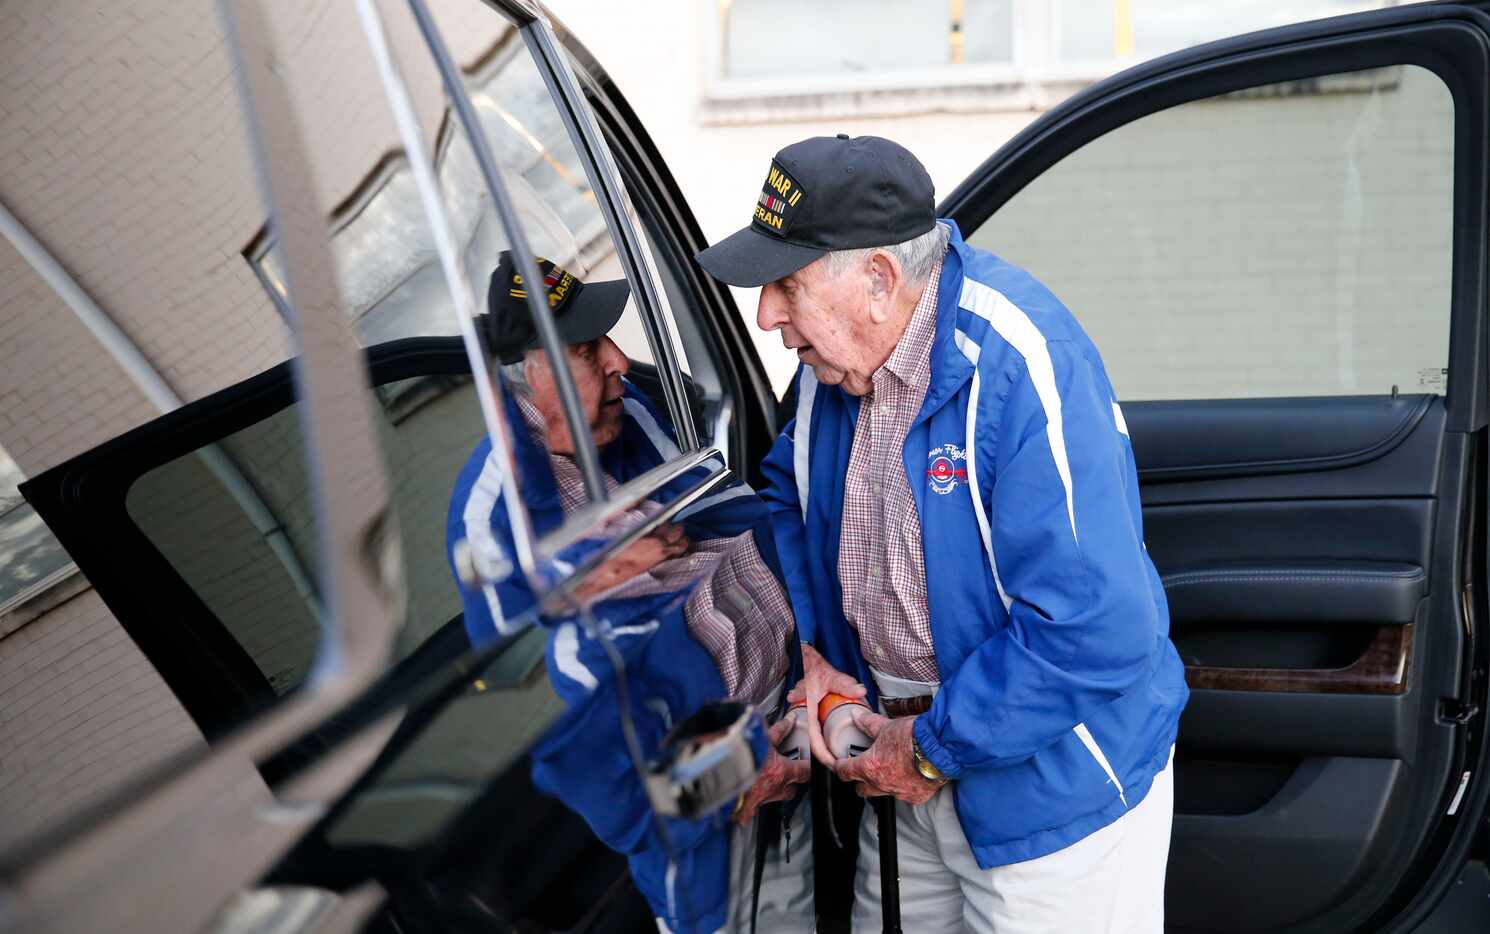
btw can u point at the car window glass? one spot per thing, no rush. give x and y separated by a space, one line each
697 343
235 520
561 218
617 374
689 613
233 515
204 521
1287 240
451 749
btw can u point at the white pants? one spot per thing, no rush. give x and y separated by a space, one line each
786 903
786 898
1109 882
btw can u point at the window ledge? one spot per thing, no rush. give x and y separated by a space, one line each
745 103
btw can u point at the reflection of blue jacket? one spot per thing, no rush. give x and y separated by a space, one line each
478 511
583 758
1061 692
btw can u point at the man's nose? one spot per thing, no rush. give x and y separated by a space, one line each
615 362
770 314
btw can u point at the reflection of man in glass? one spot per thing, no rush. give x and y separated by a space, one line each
693 606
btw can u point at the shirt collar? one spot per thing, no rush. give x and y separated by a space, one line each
533 419
910 361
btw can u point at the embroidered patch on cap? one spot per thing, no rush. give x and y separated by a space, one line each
779 198
560 286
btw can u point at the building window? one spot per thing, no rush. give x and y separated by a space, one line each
772 38
833 59
31 560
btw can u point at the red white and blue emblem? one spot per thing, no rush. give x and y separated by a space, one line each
945 468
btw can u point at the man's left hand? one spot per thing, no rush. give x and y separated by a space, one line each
778 778
888 767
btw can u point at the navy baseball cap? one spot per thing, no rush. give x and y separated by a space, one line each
823 194
582 311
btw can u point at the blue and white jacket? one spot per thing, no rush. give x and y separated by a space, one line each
582 759
1061 691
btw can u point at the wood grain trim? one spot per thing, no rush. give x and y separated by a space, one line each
1381 669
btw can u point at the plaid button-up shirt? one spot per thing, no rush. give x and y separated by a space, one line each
880 562
739 611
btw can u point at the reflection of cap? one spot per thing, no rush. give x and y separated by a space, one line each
826 193
582 311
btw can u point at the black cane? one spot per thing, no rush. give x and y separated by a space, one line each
884 807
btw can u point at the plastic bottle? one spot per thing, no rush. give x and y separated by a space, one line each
797 746
843 736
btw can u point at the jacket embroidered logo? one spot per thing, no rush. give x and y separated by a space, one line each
942 470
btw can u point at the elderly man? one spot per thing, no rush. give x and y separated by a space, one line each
693 608
956 505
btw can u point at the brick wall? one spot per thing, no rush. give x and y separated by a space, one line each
1256 245
81 711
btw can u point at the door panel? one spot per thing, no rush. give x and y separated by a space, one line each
1277 244
1295 599
1362 429
1305 591
1295 595
1304 848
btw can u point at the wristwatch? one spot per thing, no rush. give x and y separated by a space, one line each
928 770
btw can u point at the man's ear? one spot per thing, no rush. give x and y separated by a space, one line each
884 284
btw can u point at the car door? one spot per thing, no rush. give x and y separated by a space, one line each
1278 243
415 806
157 852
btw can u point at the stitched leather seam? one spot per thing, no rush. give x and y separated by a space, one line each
1358 578
1370 452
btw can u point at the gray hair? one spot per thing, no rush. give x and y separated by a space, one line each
917 256
517 376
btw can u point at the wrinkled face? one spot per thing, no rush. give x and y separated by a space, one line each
598 366
824 318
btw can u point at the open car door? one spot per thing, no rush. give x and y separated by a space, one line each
1278 242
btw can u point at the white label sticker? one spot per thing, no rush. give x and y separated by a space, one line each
1433 379
1459 795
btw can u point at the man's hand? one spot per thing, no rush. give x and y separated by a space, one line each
819 680
663 543
889 766
777 777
